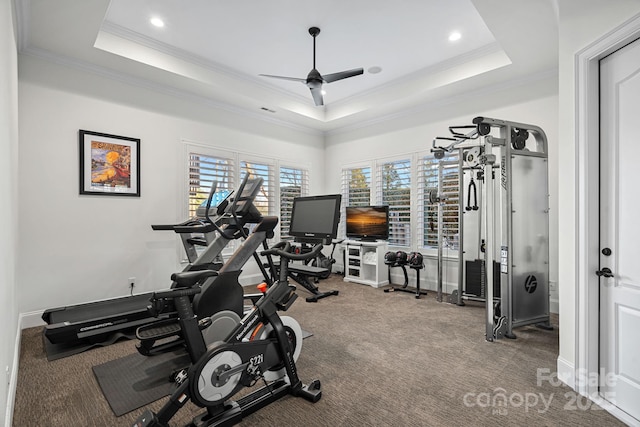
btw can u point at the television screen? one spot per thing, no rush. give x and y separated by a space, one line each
368 222
315 218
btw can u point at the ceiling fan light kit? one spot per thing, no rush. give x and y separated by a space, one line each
315 80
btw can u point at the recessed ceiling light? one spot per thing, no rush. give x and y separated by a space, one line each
374 69
324 92
157 22
454 36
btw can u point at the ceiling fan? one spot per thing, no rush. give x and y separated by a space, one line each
315 80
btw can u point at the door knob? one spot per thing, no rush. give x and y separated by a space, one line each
605 272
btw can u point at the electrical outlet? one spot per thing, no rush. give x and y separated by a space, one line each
131 282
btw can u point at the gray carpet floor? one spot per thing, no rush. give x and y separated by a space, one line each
384 359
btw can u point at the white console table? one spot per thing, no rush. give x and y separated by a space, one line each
364 263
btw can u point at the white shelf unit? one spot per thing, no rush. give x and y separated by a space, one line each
365 263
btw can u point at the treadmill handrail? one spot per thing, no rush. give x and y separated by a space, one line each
181 227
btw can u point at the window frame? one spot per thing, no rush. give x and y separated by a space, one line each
237 158
422 202
284 223
407 209
342 229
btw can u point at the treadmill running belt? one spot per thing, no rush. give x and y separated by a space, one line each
77 313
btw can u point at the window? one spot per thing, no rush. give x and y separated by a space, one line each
205 164
394 186
356 186
265 199
431 171
203 170
293 183
356 191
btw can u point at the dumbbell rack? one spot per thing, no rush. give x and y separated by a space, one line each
404 287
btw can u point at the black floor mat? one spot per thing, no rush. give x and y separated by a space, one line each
134 381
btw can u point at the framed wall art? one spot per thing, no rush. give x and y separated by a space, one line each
109 164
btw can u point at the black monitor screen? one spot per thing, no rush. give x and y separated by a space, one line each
315 218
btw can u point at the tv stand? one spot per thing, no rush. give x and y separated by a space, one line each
364 262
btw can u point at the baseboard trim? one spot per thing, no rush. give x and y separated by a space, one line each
615 411
566 372
13 379
31 319
251 279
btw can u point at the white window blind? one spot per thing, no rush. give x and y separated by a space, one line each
394 186
293 183
428 172
356 191
265 200
203 170
356 186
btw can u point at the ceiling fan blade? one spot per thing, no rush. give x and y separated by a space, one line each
294 79
328 78
316 92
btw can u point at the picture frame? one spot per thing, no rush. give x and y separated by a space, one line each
109 164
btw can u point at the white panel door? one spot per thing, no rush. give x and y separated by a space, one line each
620 228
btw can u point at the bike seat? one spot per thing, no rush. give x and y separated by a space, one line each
307 270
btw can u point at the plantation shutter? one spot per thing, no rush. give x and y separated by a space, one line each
203 170
394 186
265 200
428 173
356 191
356 186
293 183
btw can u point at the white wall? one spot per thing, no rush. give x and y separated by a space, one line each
9 332
415 134
74 248
581 23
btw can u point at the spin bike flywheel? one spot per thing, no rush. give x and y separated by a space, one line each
294 335
210 389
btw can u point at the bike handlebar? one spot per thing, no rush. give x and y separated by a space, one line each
275 250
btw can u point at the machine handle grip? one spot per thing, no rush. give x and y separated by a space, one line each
284 253
199 228
175 293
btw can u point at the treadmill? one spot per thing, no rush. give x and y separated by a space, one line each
97 322
204 235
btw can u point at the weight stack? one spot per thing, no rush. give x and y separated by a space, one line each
473 284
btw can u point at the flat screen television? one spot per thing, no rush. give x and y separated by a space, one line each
368 222
314 219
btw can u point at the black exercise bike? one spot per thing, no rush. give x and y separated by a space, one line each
261 346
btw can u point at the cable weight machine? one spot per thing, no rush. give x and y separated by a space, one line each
510 162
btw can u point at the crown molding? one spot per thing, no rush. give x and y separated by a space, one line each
161 88
421 109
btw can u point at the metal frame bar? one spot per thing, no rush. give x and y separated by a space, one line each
502 145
